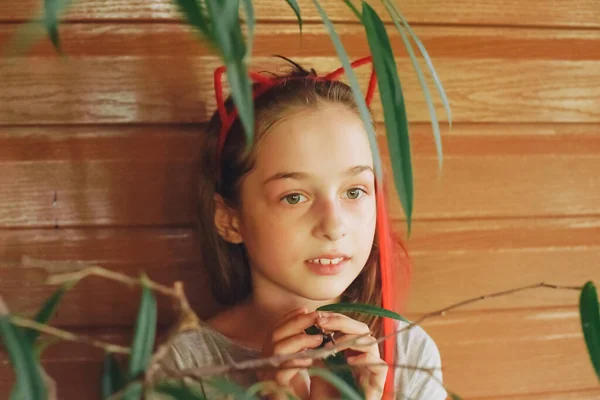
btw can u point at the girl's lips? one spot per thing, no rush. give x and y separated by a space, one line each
330 269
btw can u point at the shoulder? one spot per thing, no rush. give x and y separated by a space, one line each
416 348
194 348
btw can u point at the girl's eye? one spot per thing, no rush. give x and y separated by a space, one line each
293 198
355 193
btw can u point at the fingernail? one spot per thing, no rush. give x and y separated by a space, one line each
323 319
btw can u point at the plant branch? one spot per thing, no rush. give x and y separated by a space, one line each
115 276
65 335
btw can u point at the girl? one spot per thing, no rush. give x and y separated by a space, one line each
296 223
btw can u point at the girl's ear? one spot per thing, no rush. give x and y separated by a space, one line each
227 221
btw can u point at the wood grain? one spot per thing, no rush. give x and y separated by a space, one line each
165 255
148 80
460 260
484 354
566 13
176 40
73 176
508 353
456 260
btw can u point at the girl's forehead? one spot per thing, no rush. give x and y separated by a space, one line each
328 139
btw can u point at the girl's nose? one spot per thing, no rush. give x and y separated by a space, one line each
332 225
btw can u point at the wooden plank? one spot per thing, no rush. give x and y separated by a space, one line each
488 354
138 82
485 12
507 353
126 176
460 260
455 260
587 394
166 39
165 255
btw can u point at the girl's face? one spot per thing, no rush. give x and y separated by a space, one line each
308 207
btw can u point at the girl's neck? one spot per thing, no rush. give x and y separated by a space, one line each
248 323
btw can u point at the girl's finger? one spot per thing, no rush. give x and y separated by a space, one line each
293 325
342 323
285 374
372 374
297 343
364 344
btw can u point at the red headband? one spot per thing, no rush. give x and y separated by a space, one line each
385 240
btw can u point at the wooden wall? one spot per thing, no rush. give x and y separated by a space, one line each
97 155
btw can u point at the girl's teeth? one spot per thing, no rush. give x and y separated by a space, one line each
327 261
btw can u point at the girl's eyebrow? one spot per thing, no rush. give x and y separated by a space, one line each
356 170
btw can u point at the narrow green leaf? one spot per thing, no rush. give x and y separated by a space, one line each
231 45
52 8
44 24
394 111
353 8
145 332
345 390
230 14
194 14
113 379
178 391
423 50
228 387
363 309
251 23
260 386
133 392
344 372
27 369
296 8
358 96
435 126
590 323
47 311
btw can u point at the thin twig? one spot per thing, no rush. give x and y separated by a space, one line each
65 335
115 276
444 310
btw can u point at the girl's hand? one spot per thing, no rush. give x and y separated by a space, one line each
288 337
365 351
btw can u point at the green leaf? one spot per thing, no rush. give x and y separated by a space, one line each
353 8
260 386
178 391
29 33
394 111
345 390
195 16
296 8
133 391
25 364
415 62
251 22
52 9
112 377
428 61
145 332
344 372
47 311
228 387
232 47
362 309
590 323
351 76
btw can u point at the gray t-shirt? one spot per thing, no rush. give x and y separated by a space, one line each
205 346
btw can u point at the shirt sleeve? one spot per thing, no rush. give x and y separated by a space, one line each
421 351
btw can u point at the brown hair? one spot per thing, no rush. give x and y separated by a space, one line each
227 263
